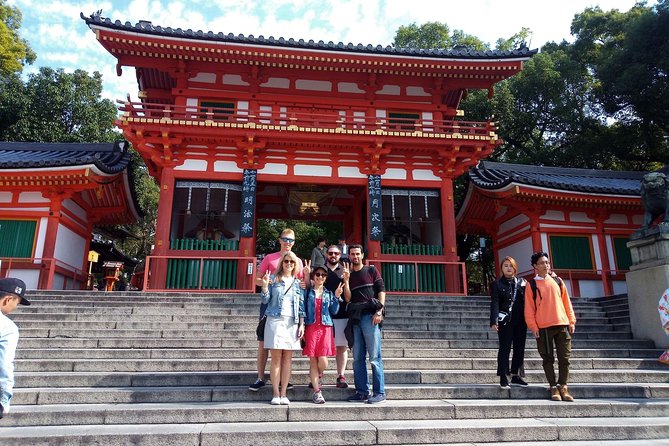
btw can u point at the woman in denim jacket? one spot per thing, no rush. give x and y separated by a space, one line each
285 322
320 305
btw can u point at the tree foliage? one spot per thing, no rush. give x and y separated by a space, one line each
15 52
55 106
306 235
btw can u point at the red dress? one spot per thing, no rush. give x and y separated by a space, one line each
319 338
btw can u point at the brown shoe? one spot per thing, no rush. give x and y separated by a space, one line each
555 394
564 393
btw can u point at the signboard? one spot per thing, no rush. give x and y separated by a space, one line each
374 201
93 256
248 202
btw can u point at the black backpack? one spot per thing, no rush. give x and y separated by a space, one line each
533 285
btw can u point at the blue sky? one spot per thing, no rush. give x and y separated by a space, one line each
62 40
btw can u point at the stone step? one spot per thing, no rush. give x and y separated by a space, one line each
641 379
171 392
302 363
250 352
370 432
299 411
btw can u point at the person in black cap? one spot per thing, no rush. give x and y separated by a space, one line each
12 293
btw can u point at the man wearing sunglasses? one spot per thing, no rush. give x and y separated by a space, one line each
335 274
269 264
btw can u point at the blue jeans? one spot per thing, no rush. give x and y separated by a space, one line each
367 340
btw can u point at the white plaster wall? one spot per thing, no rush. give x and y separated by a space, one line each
310 170
349 87
208 78
277 82
610 252
5 197
390 89
194 165
41 236
274 169
29 276
32 197
544 243
306 84
226 166
595 251
512 223
424 175
394 174
580 217
69 247
619 287
554 215
521 251
75 209
417 91
233 79
58 282
350 172
591 288
617 219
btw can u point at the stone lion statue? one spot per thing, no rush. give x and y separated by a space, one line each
655 198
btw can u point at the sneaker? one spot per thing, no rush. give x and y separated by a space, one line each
259 384
341 382
504 382
517 381
290 386
664 357
564 393
275 401
284 401
376 399
555 394
317 398
357 398
320 383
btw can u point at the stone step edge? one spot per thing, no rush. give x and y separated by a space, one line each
354 432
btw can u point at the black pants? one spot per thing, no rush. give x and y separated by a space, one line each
513 333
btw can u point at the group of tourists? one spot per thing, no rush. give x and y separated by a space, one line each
541 304
321 307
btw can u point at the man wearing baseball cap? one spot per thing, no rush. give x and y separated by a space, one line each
12 293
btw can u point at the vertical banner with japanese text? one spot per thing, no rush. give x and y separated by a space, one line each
374 200
248 203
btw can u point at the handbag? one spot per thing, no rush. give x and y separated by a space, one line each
502 318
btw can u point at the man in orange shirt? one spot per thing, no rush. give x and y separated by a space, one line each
550 317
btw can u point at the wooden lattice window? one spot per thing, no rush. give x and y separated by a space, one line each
402 120
17 238
571 252
623 255
217 110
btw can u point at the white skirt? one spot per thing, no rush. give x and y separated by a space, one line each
281 333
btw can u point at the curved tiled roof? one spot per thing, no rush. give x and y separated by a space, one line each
146 27
110 158
491 175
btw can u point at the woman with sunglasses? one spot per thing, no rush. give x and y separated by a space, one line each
319 307
285 322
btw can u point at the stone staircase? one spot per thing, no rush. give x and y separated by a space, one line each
174 369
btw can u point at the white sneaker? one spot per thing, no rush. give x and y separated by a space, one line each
284 401
275 401
317 398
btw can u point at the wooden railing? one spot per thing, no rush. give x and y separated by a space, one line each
204 245
47 267
415 249
276 119
424 277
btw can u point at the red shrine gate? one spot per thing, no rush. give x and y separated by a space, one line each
238 128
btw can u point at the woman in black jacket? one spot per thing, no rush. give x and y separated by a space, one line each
507 318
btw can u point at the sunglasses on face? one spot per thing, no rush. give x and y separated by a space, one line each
289 261
287 240
331 253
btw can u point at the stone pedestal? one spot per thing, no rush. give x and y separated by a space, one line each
647 280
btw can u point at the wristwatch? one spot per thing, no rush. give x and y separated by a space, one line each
379 313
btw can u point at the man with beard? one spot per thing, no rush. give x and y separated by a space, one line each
366 295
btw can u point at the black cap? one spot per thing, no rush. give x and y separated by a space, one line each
16 287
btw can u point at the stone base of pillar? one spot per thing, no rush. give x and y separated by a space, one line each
647 280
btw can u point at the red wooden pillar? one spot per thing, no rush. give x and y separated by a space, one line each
163 221
534 231
603 253
45 281
453 273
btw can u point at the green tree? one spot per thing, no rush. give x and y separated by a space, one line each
306 234
15 52
55 106
435 35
